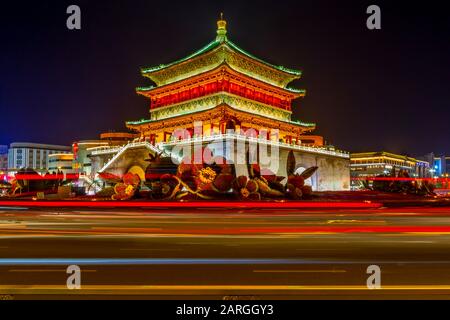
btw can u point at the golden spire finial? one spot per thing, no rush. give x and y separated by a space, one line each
221 29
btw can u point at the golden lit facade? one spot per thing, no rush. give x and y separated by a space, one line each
369 164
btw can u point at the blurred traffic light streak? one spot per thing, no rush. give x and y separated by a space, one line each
193 204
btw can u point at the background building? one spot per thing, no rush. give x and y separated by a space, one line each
82 150
440 165
32 155
370 164
3 158
60 162
81 160
117 138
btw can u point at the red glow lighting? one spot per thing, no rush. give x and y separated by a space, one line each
69 176
193 204
397 179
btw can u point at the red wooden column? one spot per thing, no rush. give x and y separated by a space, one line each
222 127
191 132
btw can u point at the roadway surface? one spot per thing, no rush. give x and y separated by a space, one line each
224 253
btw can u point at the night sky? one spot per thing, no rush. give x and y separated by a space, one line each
366 90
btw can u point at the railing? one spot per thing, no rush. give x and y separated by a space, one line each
239 137
105 150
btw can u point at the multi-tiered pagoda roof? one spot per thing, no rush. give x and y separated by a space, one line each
221 77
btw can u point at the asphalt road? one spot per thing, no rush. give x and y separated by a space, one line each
225 254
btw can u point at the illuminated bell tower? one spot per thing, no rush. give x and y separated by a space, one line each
223 86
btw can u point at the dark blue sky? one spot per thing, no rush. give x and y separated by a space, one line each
366 90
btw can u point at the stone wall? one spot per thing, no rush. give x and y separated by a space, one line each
333 173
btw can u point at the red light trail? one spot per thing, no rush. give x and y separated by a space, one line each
397 179
193 204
